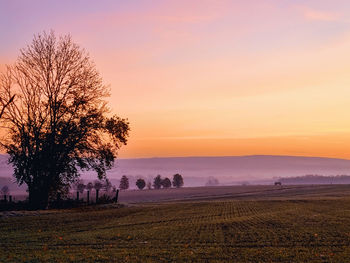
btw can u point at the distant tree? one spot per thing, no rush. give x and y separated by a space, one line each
140 183
178 180
90 186
98 185
157 182
79 185
149 185
124 183
212 181
107 186
5 190
114 189
166 183
55 117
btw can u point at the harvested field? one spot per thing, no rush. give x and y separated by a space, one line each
297 224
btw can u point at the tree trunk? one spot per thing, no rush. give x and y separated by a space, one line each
38 198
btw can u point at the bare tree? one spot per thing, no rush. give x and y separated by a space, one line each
57 122
5 104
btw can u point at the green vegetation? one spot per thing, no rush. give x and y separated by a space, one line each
227 230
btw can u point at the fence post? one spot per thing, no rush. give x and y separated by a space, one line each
116 195
10 198
97 195
77 195
5 198
88 197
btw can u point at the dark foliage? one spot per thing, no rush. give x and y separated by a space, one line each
89 186
56 117
98 184
79 186
178 180
124 183
166 183
140 183
157 182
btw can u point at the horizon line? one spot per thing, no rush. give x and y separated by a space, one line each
226 156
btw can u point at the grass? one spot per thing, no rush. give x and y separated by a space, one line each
222 230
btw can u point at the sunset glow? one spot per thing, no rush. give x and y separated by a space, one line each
210 77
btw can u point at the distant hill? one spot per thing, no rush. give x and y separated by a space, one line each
316 179
228 170
257 168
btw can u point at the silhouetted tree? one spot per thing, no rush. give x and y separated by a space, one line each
5 190
57 123
5 104
166 183
90 186
157 183
140 183
178 180
124 183
81 187
98 185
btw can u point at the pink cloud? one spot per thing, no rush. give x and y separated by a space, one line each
319 15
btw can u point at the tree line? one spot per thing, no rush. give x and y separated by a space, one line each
158 182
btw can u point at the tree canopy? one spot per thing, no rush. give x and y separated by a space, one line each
56 117
124 183
166 183
140 183
157 182
178 181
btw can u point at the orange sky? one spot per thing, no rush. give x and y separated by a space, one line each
211 77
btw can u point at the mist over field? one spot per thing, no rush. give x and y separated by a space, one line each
230 170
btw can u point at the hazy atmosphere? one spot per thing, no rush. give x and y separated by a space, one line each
166 131
210 78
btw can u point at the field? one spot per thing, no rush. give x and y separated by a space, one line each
220 224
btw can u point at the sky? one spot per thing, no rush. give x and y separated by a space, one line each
209 77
